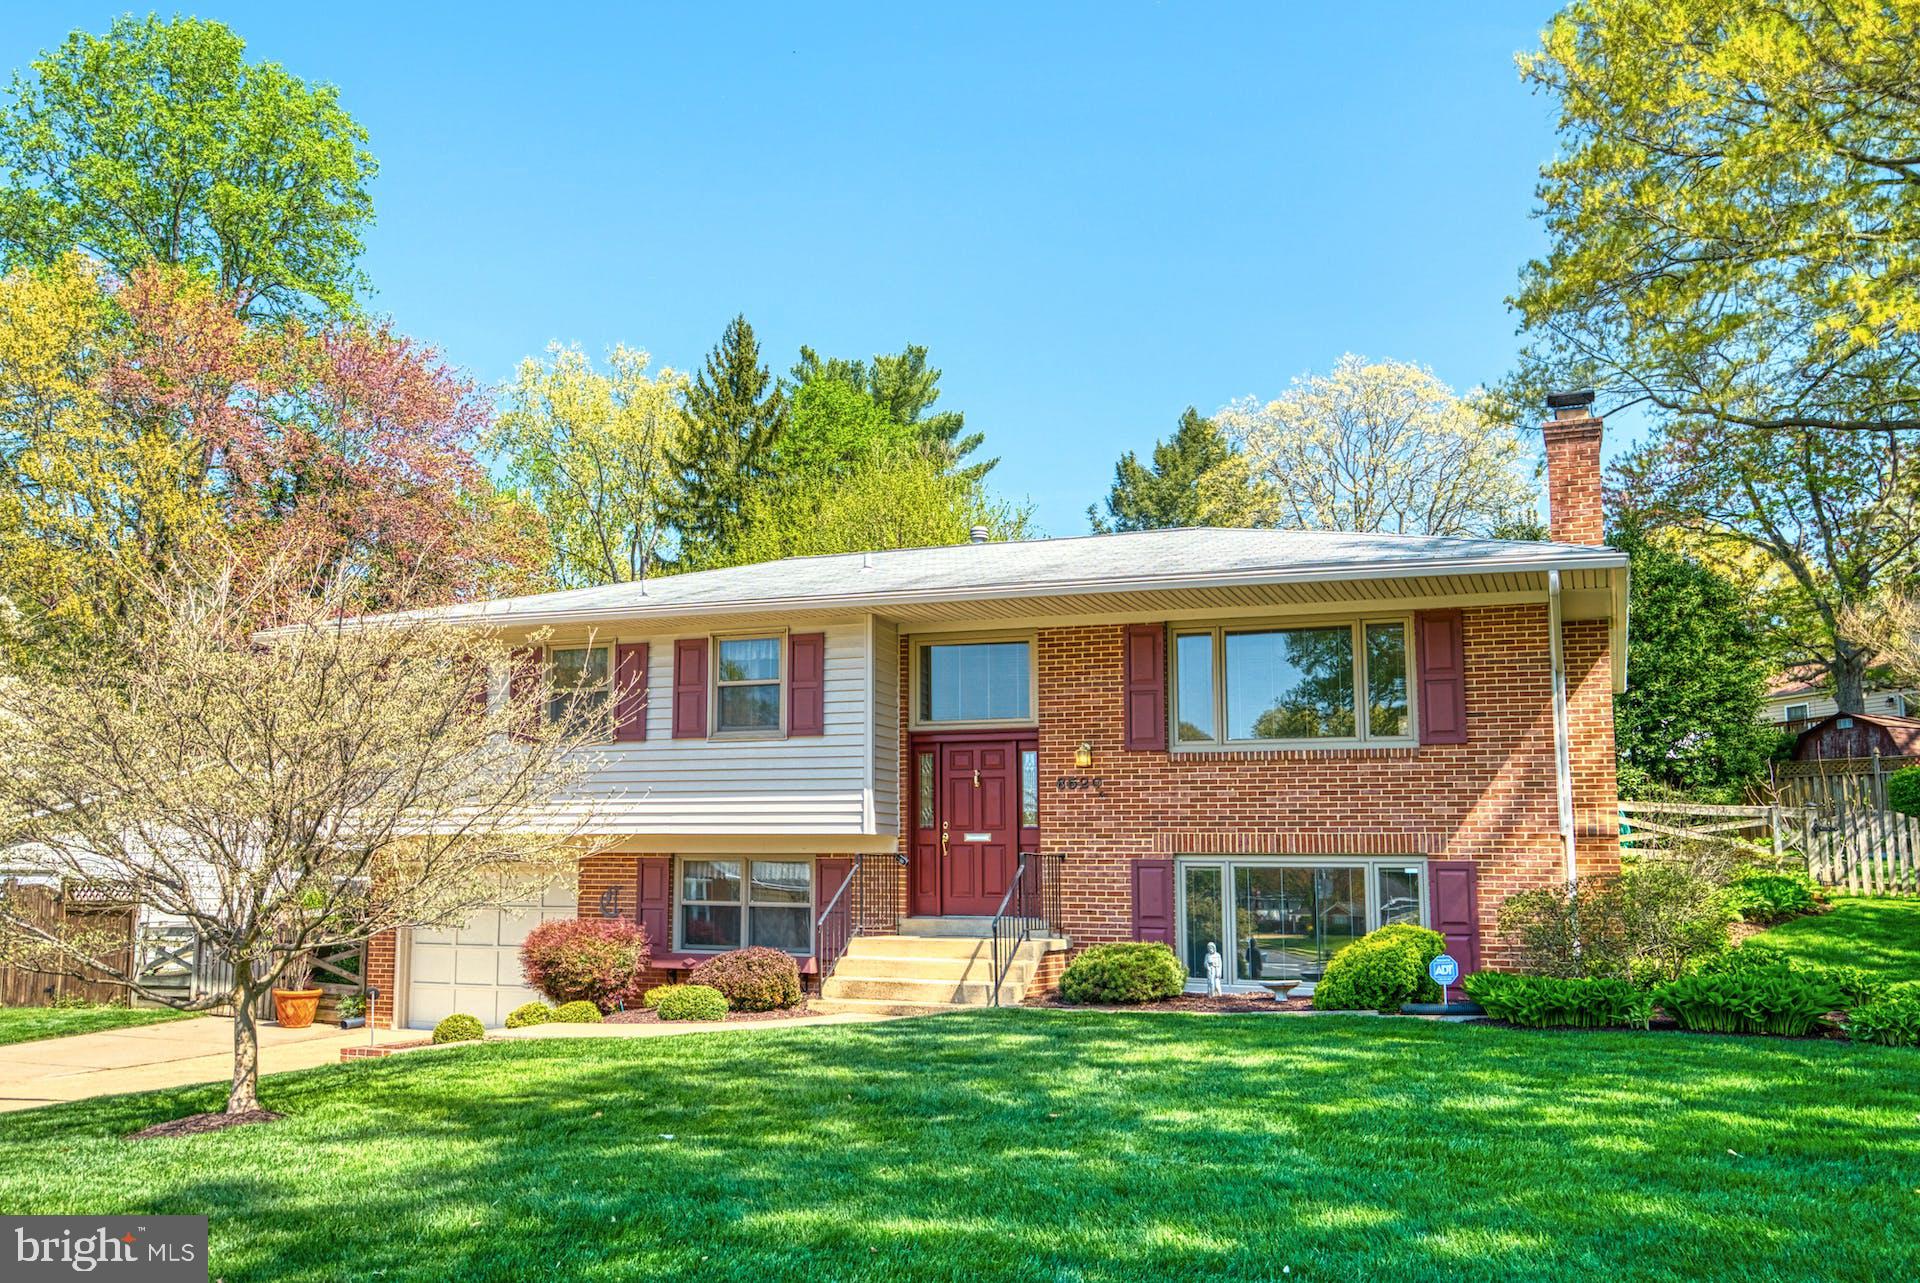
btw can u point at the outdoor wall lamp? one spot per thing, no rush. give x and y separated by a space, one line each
1083 754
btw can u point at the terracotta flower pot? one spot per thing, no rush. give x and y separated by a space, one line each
295 1008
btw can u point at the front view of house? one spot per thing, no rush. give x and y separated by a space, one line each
931 773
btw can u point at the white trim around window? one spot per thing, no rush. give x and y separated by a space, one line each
585 673
1211 730
917 645
753 679
744 900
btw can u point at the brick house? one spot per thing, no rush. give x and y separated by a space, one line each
1270 741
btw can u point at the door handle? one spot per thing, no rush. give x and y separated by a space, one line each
943 837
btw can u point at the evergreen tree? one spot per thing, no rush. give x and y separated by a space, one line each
1177 489
905 387
735 413
1689 724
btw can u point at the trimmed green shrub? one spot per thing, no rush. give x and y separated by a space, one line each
529 1013
1136 971
577 1013
596 960
1647 923
1767 896
692 1002
651 999
1557 1002
459 1027
1381 970
1893 1020
1748 957
1903 791
1753 1002
755 979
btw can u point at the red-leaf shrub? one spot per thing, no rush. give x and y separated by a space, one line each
755 979
596 960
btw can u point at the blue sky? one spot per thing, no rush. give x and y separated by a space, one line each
1093 215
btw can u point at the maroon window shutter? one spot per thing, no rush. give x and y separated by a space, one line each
655 894
630 690
1441 657
830 874
807 684
523 683
1456 913
690 688
1146 678
1153 901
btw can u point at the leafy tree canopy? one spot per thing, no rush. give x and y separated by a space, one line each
1183 486
159 141
1734 245
1690 722
905 387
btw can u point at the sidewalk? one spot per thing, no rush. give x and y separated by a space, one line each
176 1053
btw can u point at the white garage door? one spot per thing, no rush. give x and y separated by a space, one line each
477 968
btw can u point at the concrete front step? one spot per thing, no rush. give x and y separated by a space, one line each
918 947
976 928
909 967
929 972
874 1007
920 993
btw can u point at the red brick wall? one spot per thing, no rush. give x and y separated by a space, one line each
1576 511
380 967
1491 800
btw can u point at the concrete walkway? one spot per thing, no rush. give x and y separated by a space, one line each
175 1053
666 1028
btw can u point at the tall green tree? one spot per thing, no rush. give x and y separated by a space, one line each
905 387
160 141
1690 722
1179 488
833 428
1734 247
735 413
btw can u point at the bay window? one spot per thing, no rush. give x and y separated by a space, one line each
1315 684
728 903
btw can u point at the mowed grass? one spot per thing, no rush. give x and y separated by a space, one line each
29 1024
1038 1145
1873 933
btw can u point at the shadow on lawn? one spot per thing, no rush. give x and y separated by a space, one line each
1032 1145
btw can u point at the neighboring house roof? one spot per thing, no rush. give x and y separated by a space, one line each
1136 561
1797 681
1903 733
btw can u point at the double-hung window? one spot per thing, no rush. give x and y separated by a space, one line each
1315 684
728 903
746 686
580 683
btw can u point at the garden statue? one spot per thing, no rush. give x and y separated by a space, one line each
1213 968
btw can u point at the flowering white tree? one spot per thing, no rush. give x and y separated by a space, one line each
1377 446
310 786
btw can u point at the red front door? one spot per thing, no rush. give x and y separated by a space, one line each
967 841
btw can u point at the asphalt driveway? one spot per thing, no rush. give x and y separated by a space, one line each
177 1053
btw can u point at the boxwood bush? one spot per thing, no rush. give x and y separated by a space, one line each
1892 1020
459 1027
755 979
1136 971
529 1013
1557 1002
577 1013
692 1002
1751 1002
596 960
1381 970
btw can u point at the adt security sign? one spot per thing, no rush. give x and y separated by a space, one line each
1443 971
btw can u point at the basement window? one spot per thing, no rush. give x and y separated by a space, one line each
728 903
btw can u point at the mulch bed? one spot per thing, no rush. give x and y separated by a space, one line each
645 1017
1251 1002
200 1124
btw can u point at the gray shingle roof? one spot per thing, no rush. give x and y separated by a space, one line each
1135 561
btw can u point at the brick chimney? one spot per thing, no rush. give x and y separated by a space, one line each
1574 510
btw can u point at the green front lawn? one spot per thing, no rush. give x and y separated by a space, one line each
1038 1145
29 1024
1875 934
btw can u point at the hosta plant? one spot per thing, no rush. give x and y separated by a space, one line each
1757 1002
1558 1002
1892 1020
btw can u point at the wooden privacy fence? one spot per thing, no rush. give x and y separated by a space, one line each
1857 842
1648 828
172 959
1860 849
68 909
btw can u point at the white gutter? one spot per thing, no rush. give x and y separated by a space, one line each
1562 746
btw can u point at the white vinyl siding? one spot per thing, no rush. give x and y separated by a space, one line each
814 784
886 727
1881 703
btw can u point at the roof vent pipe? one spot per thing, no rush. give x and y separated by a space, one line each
978 534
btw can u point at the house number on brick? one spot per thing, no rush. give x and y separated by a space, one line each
1076 783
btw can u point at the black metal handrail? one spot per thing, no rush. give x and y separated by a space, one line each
1031 905
833 930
